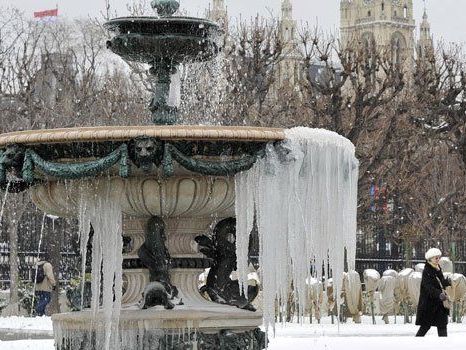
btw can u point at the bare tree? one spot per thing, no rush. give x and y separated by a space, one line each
440 92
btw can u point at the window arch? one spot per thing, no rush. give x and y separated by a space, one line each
398 48
405 11
368 42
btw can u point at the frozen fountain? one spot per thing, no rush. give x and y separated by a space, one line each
164 187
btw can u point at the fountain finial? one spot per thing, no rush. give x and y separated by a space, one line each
165 8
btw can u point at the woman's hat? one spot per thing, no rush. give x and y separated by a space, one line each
433 252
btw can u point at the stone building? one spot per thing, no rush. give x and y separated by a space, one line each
57 71
290 67
425 44
217 12
385 25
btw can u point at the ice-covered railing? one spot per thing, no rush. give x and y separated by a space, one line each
303 196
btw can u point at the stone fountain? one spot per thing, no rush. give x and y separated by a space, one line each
165 187
172 183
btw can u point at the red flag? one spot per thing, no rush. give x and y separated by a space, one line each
46 13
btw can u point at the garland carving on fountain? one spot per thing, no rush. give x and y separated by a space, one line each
143 152
11 160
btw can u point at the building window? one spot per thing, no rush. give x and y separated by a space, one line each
396 51
383 6
405 12
368 13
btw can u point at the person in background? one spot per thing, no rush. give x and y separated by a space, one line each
430 310
44 288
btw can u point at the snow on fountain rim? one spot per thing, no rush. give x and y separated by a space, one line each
321 137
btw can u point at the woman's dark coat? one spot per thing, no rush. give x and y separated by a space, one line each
430 310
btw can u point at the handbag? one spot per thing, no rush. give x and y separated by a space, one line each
447 303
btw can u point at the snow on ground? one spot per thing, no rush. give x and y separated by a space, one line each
36 344
26 323
325 336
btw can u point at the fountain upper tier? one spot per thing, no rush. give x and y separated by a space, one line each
152 39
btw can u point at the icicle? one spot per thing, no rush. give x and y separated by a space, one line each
83 231
38 258
304 196
244 224
4 199
97 207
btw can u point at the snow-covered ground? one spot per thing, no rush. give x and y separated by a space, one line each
325 336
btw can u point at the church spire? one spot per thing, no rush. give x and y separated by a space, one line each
287 9
425 39
218 13
287 23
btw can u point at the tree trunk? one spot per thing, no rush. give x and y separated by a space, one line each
12 227
53 244
14 209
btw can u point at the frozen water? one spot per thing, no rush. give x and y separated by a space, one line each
4 199
99 209
38 256
304 196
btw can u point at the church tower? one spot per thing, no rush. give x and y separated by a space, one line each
386 25
289 67
287 23
425 45
218 13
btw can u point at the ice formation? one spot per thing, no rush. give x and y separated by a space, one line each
99 209
41 236
303 196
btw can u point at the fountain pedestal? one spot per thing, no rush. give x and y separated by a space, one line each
189 205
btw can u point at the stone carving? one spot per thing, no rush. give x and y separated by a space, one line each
73 295
32 160
12 158
225 340
165 7
145 152
221 249
222 168
158 293
155 256
158 339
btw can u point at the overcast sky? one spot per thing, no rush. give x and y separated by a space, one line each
447 17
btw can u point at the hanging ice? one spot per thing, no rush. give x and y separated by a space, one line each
97 207
303 194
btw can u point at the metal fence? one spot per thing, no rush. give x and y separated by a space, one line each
380 250
68 269
382 265
36 233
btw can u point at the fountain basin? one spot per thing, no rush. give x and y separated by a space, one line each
145 196
189 199
189 328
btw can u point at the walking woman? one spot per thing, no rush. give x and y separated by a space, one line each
430 310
